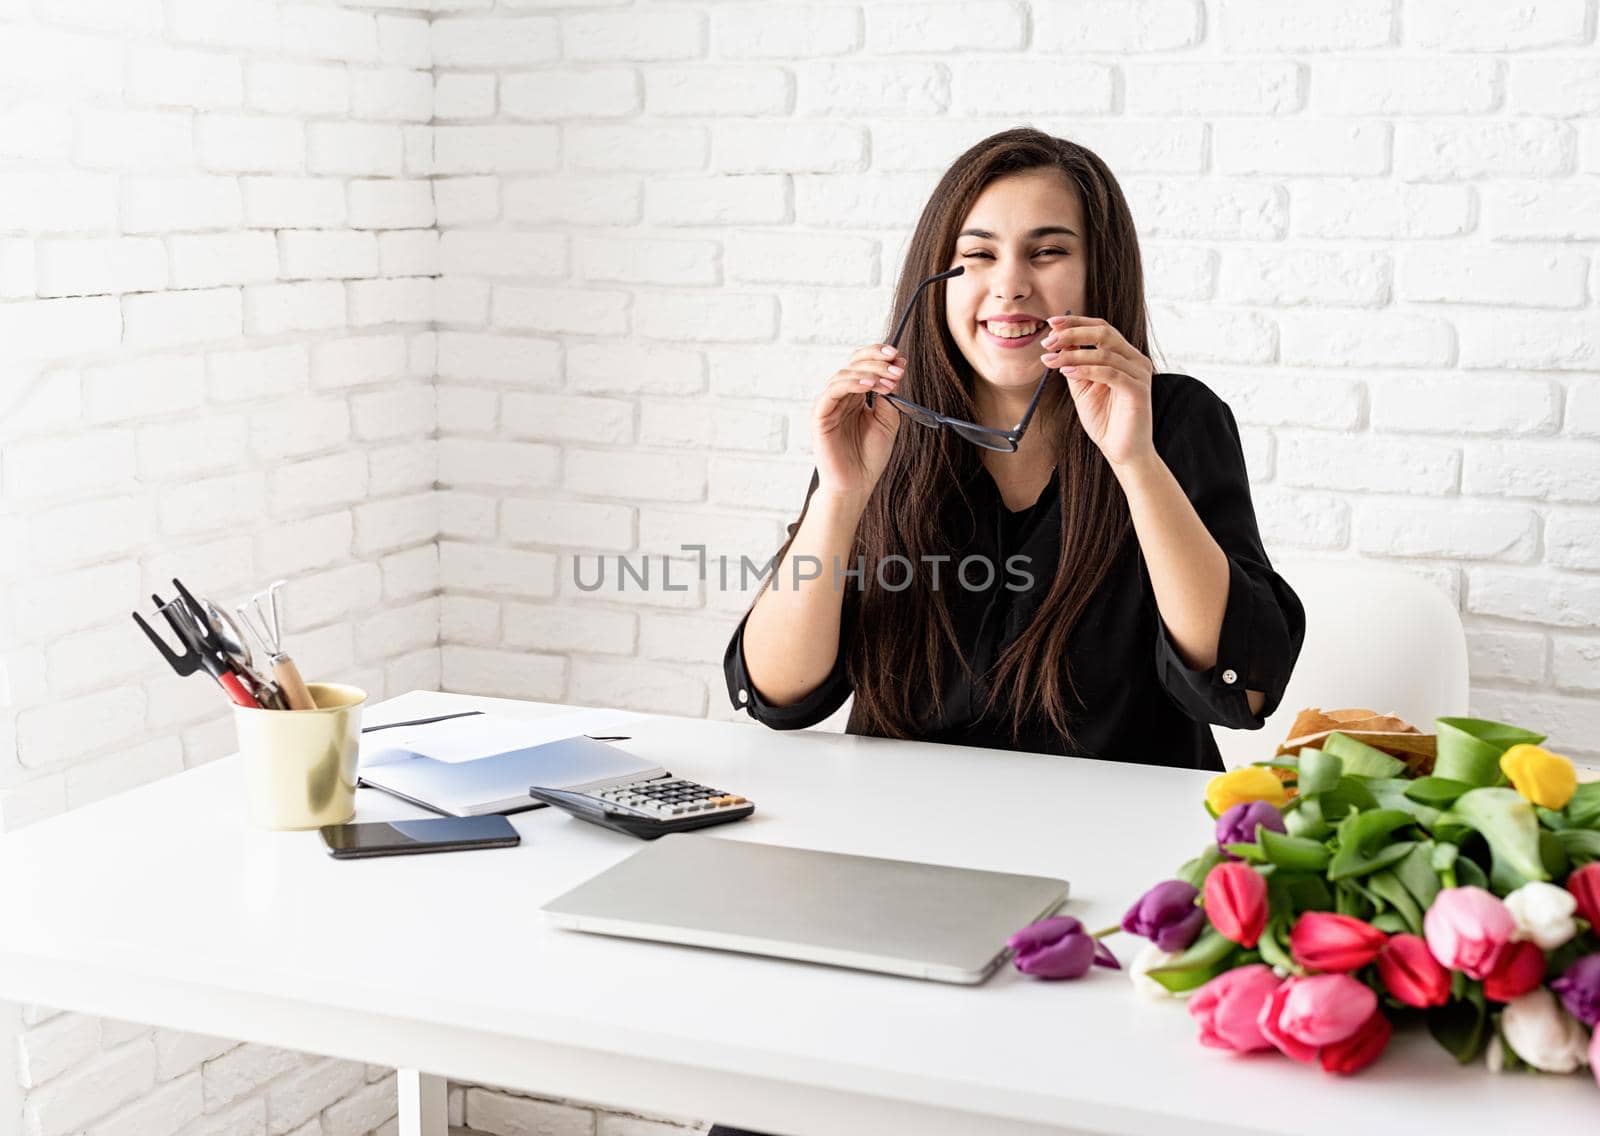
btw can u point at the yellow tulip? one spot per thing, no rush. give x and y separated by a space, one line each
1547 779
1251 783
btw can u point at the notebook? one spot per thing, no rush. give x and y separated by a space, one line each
500 784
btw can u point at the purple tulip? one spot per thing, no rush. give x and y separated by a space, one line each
1238 824
1579 987
1058 947
1167 916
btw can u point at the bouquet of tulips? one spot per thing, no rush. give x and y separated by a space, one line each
1362 879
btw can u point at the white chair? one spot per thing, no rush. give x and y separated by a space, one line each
1376 636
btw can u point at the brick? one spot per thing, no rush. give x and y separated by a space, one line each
1483 148
461 301
1558 601
754 482
299 1097
519 1116
298 88
413 571
88 461
655 477
699 426
508 674
125 767
1571 540
478 568
684 638
1302 520
468 410
58 202
1210 210
1464 404
82 663
703 90
90 1091
800 258
174 319
785 31
226 23
556 418
1259 25
644 686
576 524
403 468
32 801
17 269
302 545
293 428
982 25
81 533
1385 339
1348 463
249 1118
636 260
43 329
397 413
276 308
48 1050
292 203
1516 656
1193 334
133 140
1307 277
237 143
463 96
38 131
561 627
391 204
405 40
749 200
509 464
1532 341
392 94
798 373
1456 27
243 1070
170 204
496 149
99 266
1553 470
299 487
165 76
1504 277
1559 87
982 88
1380 210
1284 398
878 89
1458 531
518 42
560 93
1535 210
363 1110
325 33
1422 86
647 149
1571 722
408 252
467 252
718 317
652 368
463 619
333 596
665 531
566 310
1577 663
641 36
1307 147
499 358
1236 87
163 1111
403 300
218 259
236 376
40 58
354 148
321 256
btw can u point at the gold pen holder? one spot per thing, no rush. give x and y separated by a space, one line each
300 765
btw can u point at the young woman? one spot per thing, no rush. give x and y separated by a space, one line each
1019 423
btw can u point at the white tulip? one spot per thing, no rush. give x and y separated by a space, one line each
1148 958
1543 913
1540 1032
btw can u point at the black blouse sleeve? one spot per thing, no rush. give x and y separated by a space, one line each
814 707
1264 624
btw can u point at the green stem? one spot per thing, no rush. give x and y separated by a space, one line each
1449 877
1112 930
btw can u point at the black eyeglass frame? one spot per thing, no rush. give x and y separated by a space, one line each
989 437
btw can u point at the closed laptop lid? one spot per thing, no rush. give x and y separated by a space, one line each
897 916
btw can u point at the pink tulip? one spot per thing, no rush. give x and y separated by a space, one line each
1322 940
1236 902
1467 929
1304 1014
1229 1006
1411 973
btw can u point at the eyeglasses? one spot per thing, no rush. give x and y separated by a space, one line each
990 438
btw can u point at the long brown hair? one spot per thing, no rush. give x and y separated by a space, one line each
894 660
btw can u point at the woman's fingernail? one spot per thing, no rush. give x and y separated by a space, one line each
888 352
897 371
1048 341
867 382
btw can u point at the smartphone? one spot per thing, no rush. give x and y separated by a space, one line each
408 837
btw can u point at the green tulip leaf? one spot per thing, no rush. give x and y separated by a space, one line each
1582 845
1390 793
1273 951
1250 853
1195 871
1307 893
1319 770
1439 792
1507 822
1583 811
1391 923
1387 885
1202 962
1469 749
1294 853
1306 820
1417 873
1360 759
1363 843
1461 1026
1348 795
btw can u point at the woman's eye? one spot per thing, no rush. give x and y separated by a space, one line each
1038 252
977 254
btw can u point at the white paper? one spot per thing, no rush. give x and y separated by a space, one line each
485 735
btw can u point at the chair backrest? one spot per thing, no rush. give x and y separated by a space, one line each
1376 636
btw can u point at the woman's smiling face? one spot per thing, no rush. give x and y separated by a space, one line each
1023 251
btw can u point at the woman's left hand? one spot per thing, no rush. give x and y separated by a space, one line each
1109 382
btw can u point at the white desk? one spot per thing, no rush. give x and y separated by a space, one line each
161 906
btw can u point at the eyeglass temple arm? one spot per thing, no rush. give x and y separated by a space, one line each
1033 404
911 306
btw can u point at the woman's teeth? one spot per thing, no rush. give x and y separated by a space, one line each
1012 330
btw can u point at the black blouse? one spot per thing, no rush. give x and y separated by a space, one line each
1139 701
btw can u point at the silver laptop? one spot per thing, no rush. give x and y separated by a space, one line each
921 920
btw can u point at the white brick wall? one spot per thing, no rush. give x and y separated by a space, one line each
416 301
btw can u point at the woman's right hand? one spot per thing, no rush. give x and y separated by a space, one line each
851 441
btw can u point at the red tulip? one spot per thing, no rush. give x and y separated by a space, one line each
1360 1049
1584 884
1306 1014
1519 970
1324 941
1411 973
1236 902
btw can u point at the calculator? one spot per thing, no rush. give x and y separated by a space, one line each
649 808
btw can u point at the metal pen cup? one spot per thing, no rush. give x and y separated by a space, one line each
300 765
